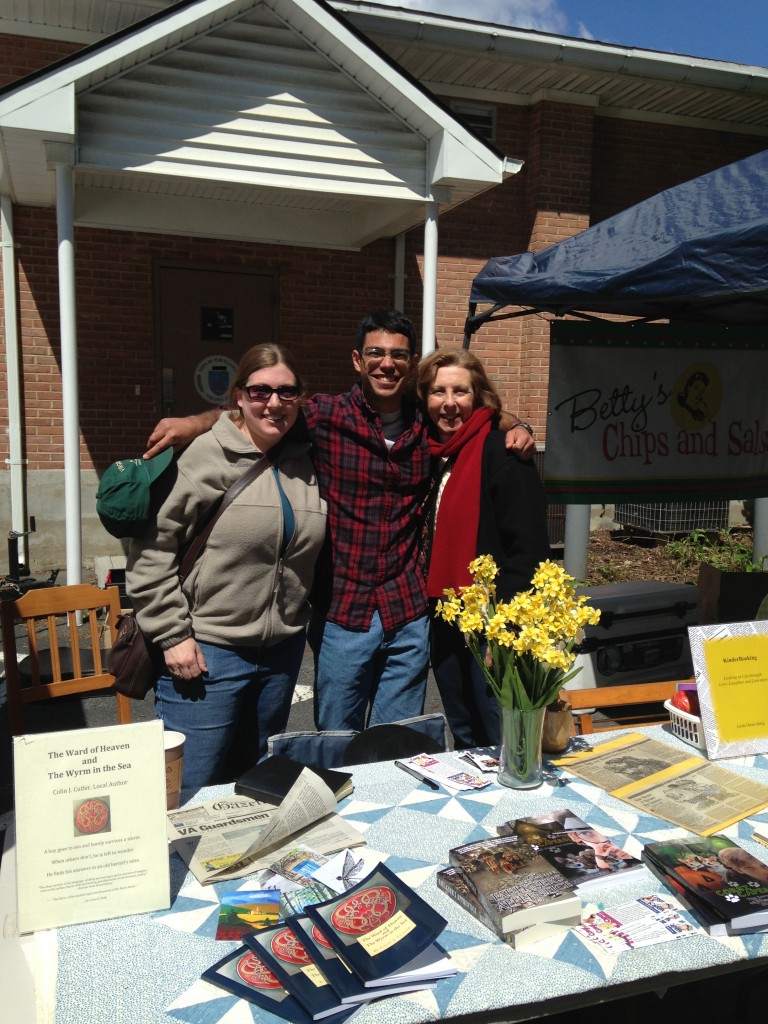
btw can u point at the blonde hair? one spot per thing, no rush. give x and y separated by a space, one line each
484 392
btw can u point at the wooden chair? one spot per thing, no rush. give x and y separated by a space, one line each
585 702
56 667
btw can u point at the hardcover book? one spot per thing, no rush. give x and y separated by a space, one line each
348 986
451 882
578 851
379 925
282 950
514 883
245 975
719 874
270 779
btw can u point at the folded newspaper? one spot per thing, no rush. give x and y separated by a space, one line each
235 836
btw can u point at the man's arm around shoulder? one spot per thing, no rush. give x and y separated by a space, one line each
519 437
179 431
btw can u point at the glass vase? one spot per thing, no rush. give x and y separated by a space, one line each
521 748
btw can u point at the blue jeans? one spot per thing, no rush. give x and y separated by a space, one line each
469 704
384 669
228 714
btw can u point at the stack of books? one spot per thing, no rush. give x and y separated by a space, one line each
526 885
577 850
511 889
374 940
723 886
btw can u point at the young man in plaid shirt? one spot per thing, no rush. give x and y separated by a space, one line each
369 630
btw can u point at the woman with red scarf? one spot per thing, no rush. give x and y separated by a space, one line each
483 500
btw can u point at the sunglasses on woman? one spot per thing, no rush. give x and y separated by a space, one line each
263 392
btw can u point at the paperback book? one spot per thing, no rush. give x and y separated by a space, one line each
379 925
245 975
346 983
578 851
514 883
452 882
699 910
719 874
282 950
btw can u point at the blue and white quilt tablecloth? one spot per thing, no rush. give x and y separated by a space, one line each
146 969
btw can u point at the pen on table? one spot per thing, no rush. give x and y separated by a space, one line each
415 774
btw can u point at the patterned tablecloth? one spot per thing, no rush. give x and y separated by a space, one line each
146 969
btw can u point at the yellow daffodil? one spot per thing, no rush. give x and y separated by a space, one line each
524 646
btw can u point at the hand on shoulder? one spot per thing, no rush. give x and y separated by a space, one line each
179 431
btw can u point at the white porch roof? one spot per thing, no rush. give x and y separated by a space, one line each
272 121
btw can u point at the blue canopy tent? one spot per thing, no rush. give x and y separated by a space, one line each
697 252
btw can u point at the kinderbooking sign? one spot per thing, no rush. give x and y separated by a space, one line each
656 412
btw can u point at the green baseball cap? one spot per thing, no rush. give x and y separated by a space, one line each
124 497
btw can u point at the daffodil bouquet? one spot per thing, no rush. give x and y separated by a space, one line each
524 646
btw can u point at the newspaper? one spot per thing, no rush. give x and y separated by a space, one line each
235 836
661 780
619 762
697 795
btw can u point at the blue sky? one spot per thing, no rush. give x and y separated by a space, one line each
730 30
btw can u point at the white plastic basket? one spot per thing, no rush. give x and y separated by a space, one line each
686 727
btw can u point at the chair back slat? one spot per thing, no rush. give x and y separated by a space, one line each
45 613
586 701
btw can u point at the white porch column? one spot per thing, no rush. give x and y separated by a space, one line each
13 373
60 156
428 322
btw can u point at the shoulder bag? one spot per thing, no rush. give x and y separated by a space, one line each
134 660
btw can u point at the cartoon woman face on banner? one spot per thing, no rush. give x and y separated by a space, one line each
696 396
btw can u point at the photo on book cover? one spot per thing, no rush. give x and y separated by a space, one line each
581 853
729 880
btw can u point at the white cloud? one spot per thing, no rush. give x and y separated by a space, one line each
543 15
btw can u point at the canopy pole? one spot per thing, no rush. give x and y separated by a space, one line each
60 156
576 545
429 320
760 530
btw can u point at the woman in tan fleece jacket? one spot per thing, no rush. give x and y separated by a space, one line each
233 634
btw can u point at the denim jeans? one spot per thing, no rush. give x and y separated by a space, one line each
470 706
228 714
384 669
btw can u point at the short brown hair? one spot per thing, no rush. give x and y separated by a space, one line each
260 357
485 393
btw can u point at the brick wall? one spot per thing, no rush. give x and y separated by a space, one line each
22 55
322 295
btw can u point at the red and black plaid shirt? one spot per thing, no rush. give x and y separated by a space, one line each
374 495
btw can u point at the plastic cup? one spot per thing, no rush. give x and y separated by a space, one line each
174 763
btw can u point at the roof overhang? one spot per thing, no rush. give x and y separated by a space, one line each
273 121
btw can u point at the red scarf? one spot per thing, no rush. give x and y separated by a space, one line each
454 543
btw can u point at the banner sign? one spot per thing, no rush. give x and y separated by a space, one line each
656 412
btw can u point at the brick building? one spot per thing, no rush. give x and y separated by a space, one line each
241 171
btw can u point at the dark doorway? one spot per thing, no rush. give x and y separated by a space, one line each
207 317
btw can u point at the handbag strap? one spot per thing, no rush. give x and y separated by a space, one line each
196 545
